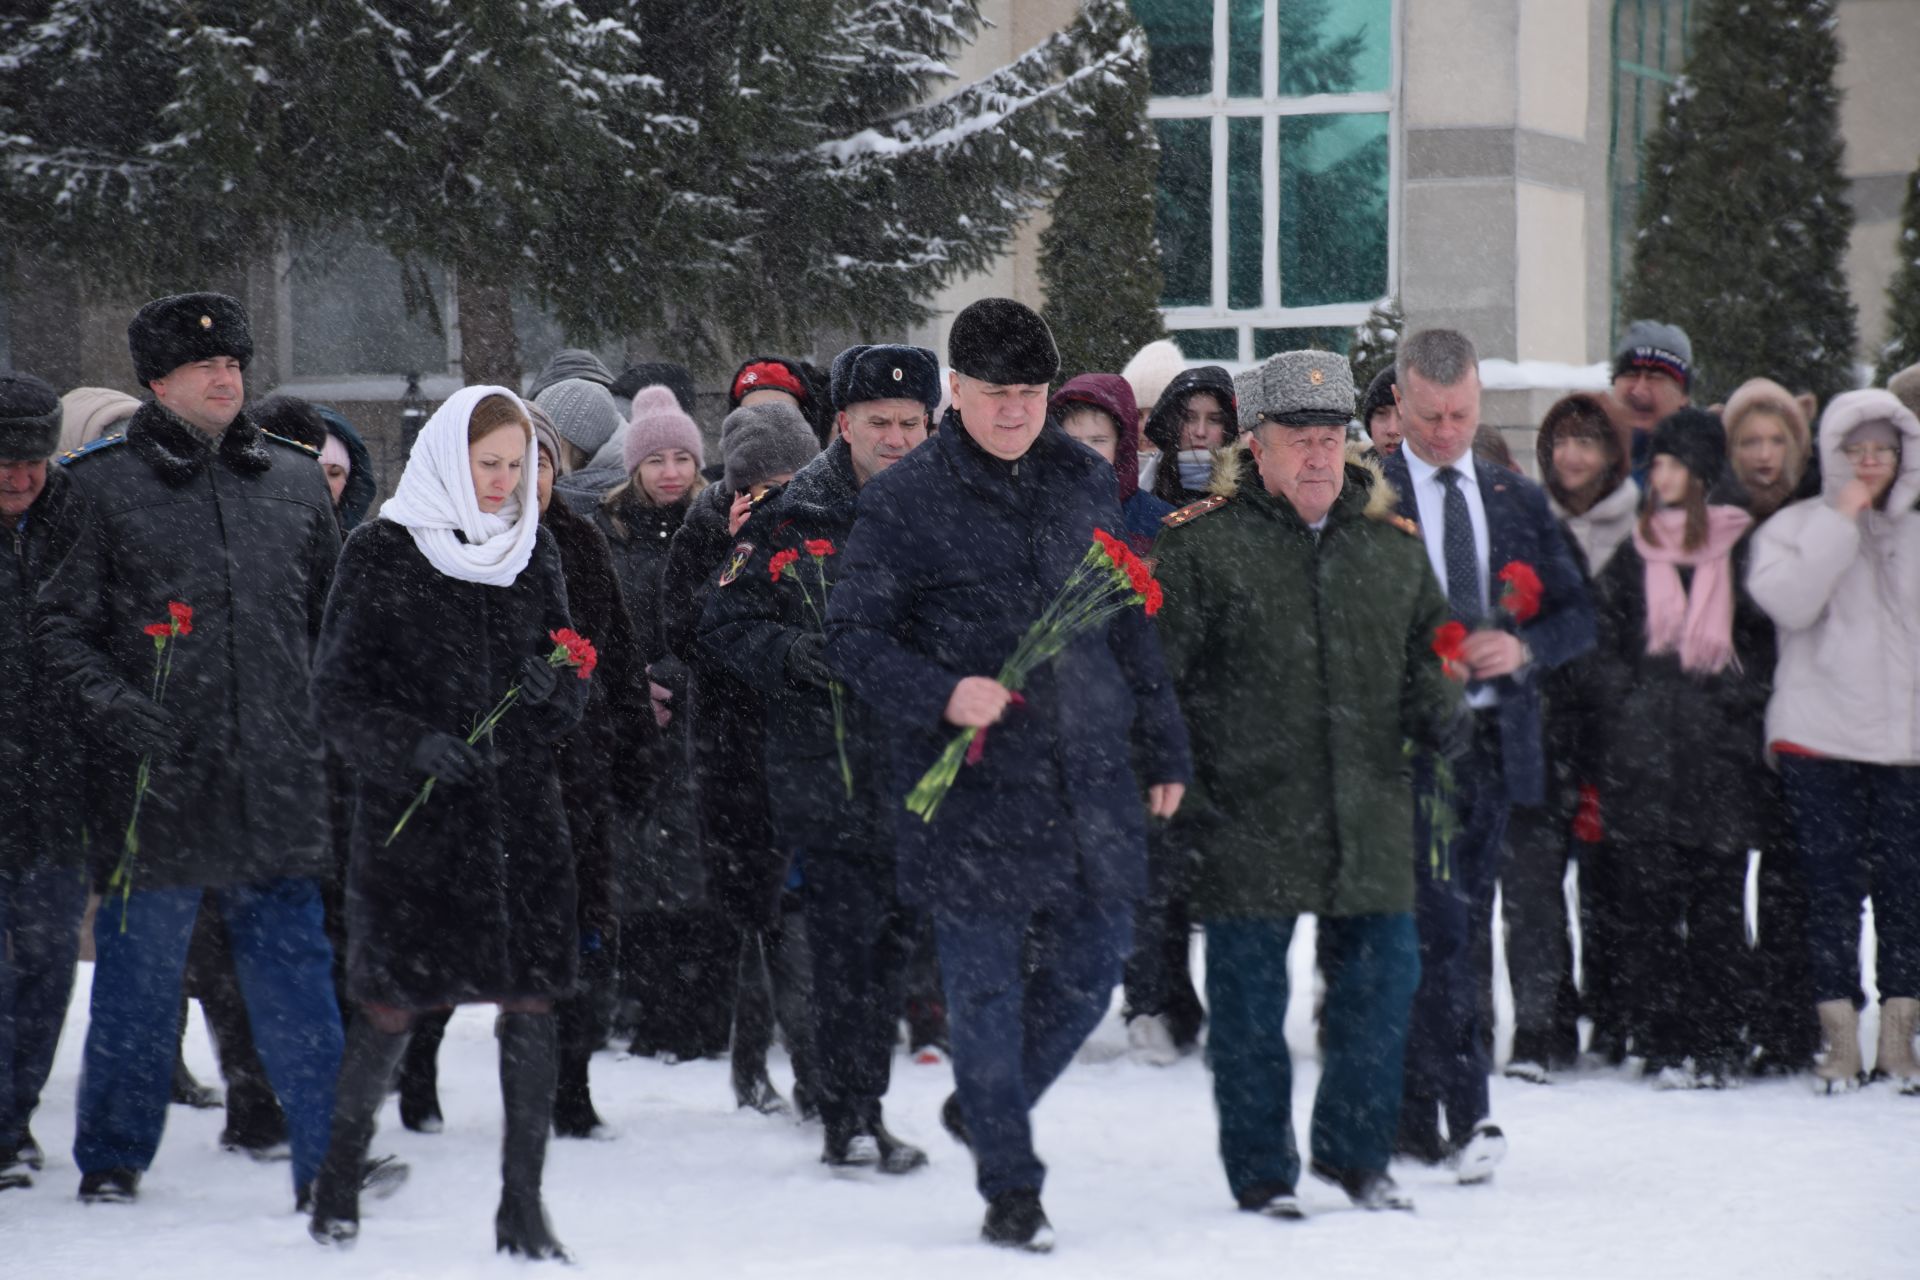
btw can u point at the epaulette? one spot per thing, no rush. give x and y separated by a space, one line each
1193 511
307 449
92 446
1404 525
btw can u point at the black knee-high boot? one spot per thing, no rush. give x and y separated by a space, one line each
366 1070
419 1082
528 1074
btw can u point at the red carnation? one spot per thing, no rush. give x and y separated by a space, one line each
1450 646
1520 596
781 559
182 615
158 630
1116 550
818 547
1154 597
576 651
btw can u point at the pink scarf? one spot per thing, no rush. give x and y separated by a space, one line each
1699 623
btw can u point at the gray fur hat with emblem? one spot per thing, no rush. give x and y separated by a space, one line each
1297 389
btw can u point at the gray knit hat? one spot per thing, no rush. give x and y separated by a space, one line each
570 362
1298 389
1652 344
583 412
761 441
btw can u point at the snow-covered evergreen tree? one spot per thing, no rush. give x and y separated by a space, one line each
1743 219
1376 341
1902 344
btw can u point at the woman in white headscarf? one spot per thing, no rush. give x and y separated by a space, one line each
438 607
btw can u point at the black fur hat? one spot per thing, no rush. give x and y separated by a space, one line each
29 418
886 373
1000 341
170 332
291 418
1696 440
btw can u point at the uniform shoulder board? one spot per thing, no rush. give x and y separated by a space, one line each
92 446
1404 525
307 449
1193 511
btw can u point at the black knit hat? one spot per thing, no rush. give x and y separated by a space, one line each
29 418
656 373
1379 396
1696 440
1000 341
886 373
170 332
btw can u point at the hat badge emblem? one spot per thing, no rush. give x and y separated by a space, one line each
1316 377
899 374
206 322
750 378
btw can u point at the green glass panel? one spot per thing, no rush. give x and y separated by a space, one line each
1244 213
1267 342
1183 211
1207 344
1179 46
1243 47
1333 208
1334 46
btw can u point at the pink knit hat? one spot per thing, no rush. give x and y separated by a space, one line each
660 424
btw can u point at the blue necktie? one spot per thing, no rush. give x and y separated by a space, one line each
1456 542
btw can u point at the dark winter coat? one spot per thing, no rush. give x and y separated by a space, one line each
954 555
608 766
1304 666
1164 423
242 530
42 761
727 734
752 622
659 856
1521 527
475 898
1681 752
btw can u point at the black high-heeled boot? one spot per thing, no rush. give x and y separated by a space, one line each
528 1074
366 1068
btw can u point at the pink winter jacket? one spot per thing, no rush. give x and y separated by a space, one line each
1845 595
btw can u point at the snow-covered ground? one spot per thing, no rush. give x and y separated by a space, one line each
1606 1179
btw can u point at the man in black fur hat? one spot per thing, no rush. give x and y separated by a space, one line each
197 524
1033 862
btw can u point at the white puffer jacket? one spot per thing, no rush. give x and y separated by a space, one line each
1846 597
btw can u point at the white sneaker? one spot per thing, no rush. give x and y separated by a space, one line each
1480 1154
1531 1072
1150 1041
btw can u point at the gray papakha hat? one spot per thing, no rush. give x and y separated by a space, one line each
1297 389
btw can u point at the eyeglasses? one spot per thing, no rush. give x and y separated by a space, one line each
1870 452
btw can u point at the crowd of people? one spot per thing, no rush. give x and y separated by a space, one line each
634 743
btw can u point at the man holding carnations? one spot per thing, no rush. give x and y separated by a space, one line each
1031 861
195 506
827 768
1298 627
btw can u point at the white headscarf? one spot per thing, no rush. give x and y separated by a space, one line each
435 498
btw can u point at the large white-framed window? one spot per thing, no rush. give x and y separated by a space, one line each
1279 167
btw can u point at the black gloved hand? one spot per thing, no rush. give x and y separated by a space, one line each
538 680
806 666
146 727
452 760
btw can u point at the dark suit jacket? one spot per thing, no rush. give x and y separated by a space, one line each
1520 526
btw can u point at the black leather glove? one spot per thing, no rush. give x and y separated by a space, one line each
146 727
538 680
450 759
805 665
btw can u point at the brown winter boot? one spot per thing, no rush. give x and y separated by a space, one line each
1899 1018
1839 1070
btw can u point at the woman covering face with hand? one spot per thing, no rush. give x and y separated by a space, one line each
439 606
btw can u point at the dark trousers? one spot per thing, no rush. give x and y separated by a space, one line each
1533 872
285 971
1023 993
926 998
861 940
680 968
1372 965
40 910
1159 971
1603 934
1685 962
1859 828
776 993
254 1117
1448 1055
1780 1017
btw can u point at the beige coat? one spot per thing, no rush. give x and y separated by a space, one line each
1845 595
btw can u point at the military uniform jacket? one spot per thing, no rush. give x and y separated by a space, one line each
1304 665
241 530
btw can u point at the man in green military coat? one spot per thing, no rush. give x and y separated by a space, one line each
1299 630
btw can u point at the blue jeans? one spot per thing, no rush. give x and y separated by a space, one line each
1859 829
1023 993
285 968
1372 966
40 910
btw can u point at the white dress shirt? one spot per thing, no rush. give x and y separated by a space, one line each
1430 496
